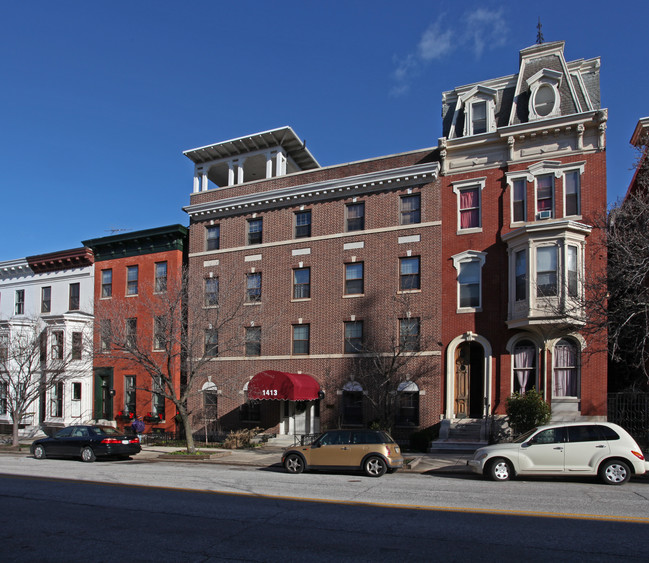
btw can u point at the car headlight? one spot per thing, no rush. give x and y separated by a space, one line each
479 456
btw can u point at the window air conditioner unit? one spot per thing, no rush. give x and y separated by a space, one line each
544 215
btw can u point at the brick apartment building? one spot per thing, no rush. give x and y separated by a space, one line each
465 256
132 274
523 176
333 266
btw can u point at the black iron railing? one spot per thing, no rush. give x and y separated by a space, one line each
631 412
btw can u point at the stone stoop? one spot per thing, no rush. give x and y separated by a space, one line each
565 410
460 435
282 441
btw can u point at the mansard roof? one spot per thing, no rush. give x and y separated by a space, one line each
577 84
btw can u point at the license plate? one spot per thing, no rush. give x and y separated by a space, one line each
124 441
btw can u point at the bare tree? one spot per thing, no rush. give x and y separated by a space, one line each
628 283
389 363
29 370
175 353
615 300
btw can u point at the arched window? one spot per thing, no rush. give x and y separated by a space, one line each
352 404
524 362
407 404
566 369
210 400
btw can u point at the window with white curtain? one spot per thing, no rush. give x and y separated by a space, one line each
524 358
566 369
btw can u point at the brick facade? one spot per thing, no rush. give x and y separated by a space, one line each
143 249
495 286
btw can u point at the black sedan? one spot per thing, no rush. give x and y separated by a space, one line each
87 442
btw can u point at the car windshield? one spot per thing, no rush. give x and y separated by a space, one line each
523 437
105 431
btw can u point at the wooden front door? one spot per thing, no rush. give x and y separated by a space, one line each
462 381
469 384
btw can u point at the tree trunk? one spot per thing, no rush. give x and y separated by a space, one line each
15 441
189 436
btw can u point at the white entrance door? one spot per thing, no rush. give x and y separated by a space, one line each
302 418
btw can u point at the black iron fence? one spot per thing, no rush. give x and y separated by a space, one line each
631 412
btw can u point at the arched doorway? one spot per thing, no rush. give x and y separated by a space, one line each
468 377
469 380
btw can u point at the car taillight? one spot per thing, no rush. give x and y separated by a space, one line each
388 450
638 455
134 441
111 441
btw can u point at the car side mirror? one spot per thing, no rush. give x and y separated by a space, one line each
526 444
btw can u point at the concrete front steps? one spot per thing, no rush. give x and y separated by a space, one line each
460 435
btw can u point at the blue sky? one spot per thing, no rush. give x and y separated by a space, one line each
98 100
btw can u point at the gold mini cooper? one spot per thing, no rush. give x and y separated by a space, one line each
371 451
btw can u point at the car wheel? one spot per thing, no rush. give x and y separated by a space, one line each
500 470
87 454
374 466
39 452
294 463
614 472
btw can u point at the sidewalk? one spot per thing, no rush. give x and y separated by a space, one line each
268 456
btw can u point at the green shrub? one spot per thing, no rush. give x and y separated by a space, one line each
527 411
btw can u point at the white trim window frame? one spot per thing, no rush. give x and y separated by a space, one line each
517 183
544 187
469 275
572 200
472 102
552 170
467 208
524 365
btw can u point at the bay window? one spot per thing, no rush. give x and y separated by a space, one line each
546 271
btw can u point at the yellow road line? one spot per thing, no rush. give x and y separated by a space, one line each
462 510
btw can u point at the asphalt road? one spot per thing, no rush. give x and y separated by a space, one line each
58 520
65 510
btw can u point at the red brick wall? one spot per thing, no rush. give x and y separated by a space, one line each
327 309
491 321
138 308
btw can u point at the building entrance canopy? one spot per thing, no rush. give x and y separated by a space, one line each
283 386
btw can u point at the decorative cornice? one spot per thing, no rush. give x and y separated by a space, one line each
14 268
62 260
540 227
328 189
149 241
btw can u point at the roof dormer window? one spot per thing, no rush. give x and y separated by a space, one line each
544 94
477 109
479 117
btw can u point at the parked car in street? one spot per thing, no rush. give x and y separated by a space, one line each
87 442
579 448
371 451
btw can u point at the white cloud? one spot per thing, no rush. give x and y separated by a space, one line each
435 43
485 27
478 30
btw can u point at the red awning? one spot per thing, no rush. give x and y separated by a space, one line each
281 385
